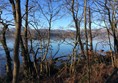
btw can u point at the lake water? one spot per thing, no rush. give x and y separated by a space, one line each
65 48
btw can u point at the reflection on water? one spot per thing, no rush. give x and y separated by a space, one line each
102 45
65 48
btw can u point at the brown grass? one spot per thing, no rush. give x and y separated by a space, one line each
99 73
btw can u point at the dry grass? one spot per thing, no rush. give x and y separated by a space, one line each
99 73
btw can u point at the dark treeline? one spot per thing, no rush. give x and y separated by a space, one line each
61 34
44 33
30 17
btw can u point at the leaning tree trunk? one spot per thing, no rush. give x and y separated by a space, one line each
8 64
77 25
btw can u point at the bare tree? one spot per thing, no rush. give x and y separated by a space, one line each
112 21
90 30
109 11
73 8
77 21
4 44
24 44
16 8
51 14
86 36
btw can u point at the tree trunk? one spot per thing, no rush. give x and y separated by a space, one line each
86 32
8 64
24 45
17 17
115 39
77 26
113 24
26 31
85 27
90 32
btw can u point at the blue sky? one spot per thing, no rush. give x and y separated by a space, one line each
63 23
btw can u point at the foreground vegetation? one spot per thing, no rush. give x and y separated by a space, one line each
96 69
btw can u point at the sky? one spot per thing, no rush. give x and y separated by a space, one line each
63 23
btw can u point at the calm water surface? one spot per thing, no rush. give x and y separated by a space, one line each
65 48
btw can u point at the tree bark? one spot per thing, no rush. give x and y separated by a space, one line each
90 31
77 26
85 27
17 17
7 52
24 45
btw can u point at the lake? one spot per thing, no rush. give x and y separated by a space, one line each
64 47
